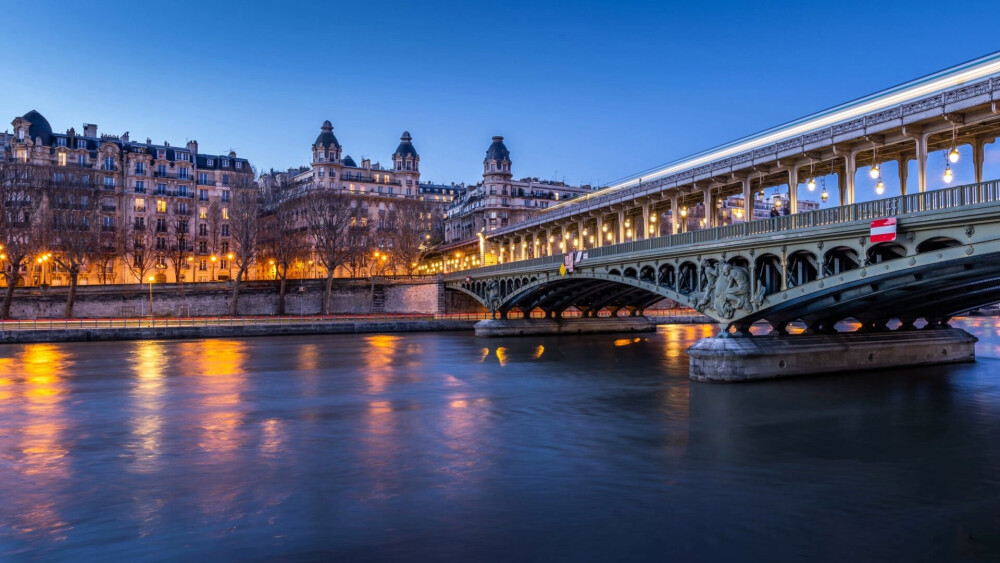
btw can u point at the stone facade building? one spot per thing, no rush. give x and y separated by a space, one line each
169 203
499 200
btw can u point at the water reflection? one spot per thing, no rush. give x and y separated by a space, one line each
147 413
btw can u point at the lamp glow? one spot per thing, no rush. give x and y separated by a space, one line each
874 172
953 155
879 187
824 195
812 184
948 174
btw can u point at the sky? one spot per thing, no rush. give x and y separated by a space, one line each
582 91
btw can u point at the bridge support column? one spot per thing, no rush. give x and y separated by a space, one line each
645 223
621 226
978 156
921 140
710 214
675 216
747 200
599 231
903 163
793 189
751 359
849 174
548 242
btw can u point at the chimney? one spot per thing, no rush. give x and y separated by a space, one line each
366 163
125 137
89 129
193 147
232 154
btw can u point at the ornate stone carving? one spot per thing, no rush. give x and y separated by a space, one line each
969 231
923 105
883 116
852 125
965 92
493 298
727 290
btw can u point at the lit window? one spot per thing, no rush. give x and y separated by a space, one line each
161 206
140 204
22 155
225 213
62 159
202 212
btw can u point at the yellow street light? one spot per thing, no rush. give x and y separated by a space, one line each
812 184
874 172
953 154
948 175
879 187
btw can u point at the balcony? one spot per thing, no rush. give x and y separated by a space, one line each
109 208
159 174
206 181
184 212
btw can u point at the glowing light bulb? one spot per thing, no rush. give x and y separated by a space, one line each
948 174
684 212
874 172
824 195
812 184
879 187
953 155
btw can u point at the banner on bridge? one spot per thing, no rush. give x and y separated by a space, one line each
883 230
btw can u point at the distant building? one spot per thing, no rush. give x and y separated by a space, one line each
500 201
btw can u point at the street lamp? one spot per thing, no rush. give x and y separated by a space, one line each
150 280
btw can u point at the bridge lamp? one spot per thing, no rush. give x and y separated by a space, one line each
684 212
591 239
874 172
948 174
566 236
585 232
812 184
604 228
953 155
610 238
880 186
627 223
824 195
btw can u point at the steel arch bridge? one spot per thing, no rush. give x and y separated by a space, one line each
818 268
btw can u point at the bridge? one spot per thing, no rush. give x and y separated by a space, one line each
631 248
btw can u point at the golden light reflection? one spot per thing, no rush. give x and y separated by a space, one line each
147 396
502 355
217 367
308 358
273 436
623 342
379 354
538 352
486 354
43 453
462 427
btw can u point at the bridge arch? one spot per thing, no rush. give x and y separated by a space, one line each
687 278
840 259
885 251
647 273
802 268
936 243
667 276
767 269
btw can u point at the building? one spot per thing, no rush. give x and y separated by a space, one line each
378 191
165 207
499 200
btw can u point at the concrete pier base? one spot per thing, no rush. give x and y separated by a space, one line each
768 357
529 327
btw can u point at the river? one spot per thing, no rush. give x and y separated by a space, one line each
444 447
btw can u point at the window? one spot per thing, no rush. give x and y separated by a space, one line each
225 230
62 159
178 155
20 134
203 249
137 259
182 191
184 173
202 230
22 155
223 264
203 195
202 178
140 223
182 226
225 163
225 179
109 182
210 162
140 204
161 206
61 142
140 168
109 163
81 144
225 213
202 212
239 164
201 263
225 246
140 187
81 160
161 225
225 195
161 244
161 170
161 153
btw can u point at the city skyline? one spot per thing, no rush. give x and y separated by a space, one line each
554 106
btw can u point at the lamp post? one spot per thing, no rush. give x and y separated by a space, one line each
229 264
213 267
190 261
150 280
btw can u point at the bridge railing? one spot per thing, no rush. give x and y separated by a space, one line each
948 198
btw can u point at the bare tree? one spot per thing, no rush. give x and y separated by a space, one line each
215 222
179 247
74 213
21 198
282 240
328 219
138 248
410 227
244 220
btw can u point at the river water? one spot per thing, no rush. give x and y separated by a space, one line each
415 447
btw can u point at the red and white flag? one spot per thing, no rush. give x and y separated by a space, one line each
883 230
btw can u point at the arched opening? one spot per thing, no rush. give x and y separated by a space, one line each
937 243
885 251
801 268
768 273
739 261
646 273
687 278
614 272
703 277
667 276
629 273
840 259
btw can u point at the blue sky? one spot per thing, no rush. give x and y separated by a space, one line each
582 91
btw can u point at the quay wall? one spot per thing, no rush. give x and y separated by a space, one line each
304 297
